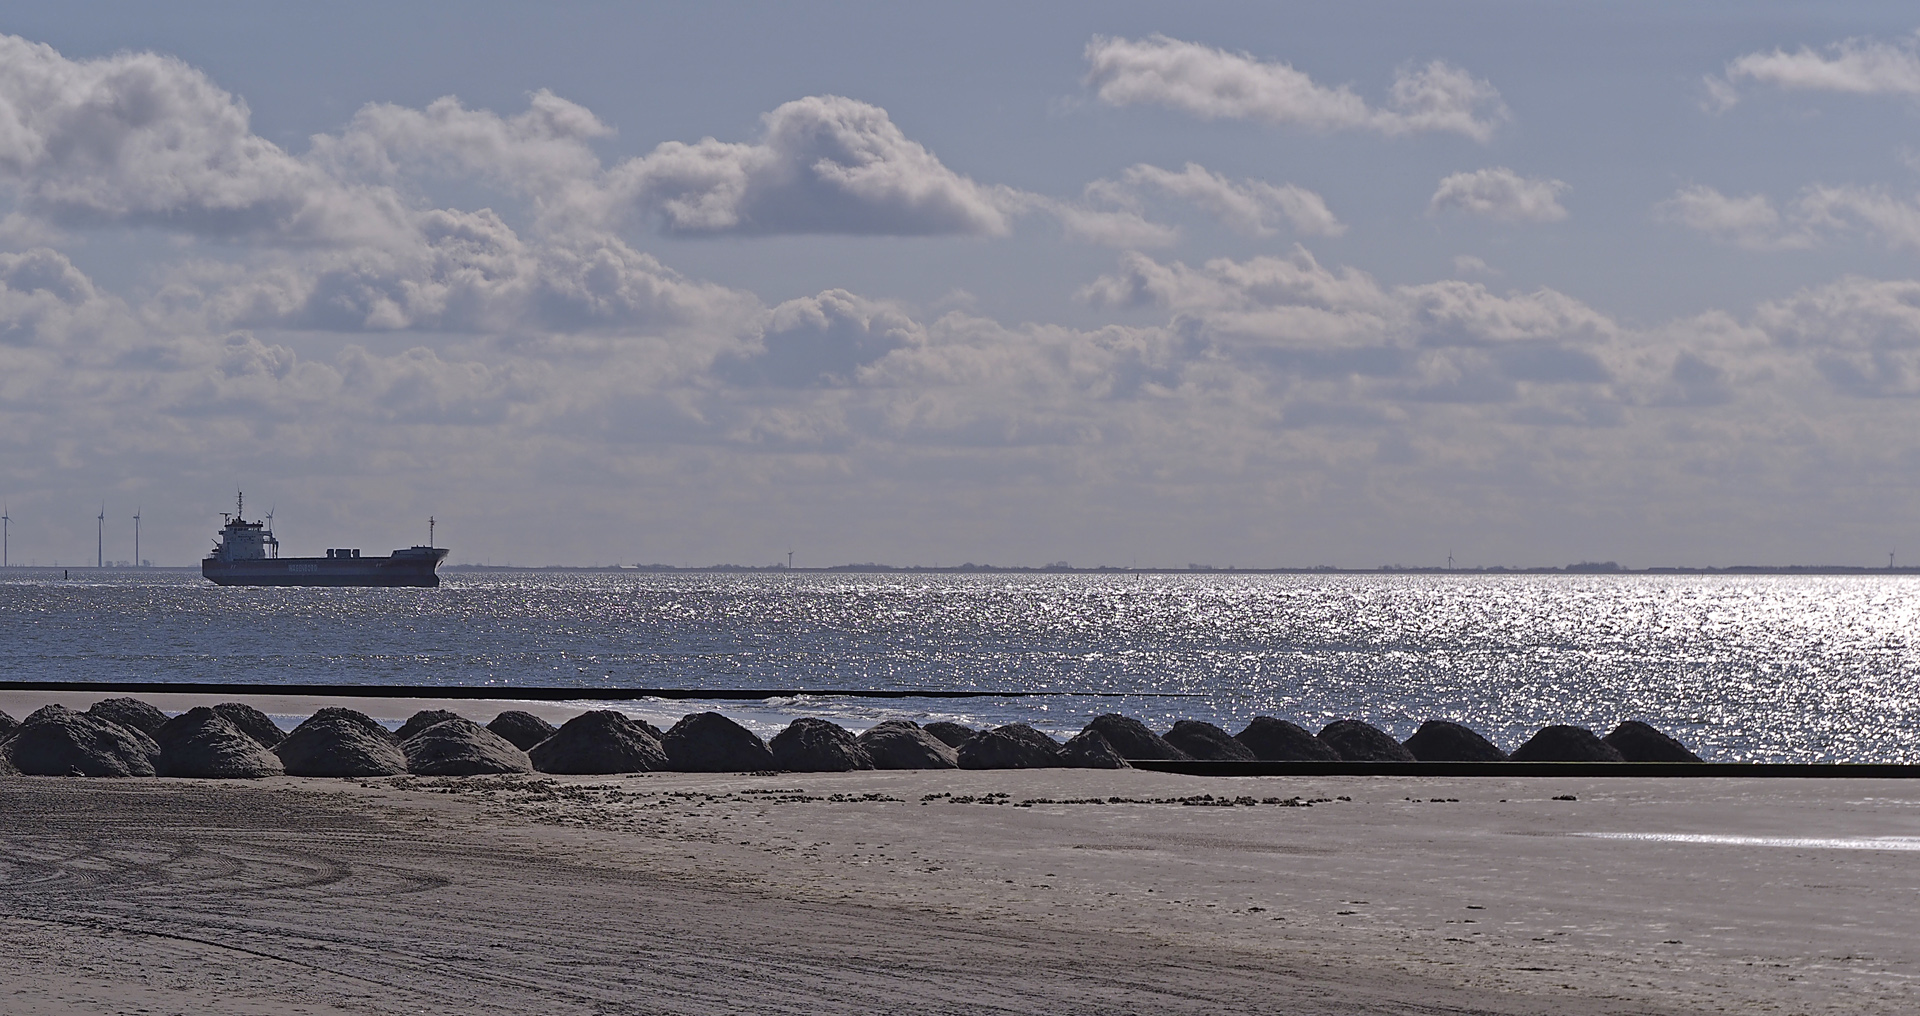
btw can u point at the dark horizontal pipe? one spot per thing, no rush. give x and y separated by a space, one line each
494 691
1797 770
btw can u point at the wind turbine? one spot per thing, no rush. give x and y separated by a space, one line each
100 544
136 537
6 524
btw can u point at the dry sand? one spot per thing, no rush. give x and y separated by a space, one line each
846 893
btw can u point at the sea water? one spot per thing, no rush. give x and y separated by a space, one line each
1747 668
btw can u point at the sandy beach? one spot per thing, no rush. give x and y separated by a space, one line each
944 892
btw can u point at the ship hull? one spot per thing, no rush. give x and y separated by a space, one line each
399 570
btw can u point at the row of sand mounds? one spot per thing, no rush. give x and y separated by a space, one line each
1267 738
121 737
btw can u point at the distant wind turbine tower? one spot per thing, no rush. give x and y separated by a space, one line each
136 537
100 537
6 526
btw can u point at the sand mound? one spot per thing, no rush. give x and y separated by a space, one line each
7 725
1447 741
56 741
252 722
461 747
354 716
130 713
422 720
1014 746
1208 742
810 745
598 742
202 743
1563 743
1640 742
523 729
1132 739
1355 741
1276 740
711 743
1089 749
954 734
47 711
901 744
341 742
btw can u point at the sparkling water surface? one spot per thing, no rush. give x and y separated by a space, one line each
1760 668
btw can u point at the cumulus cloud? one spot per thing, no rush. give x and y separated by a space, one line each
1857 66
1819 213
544 152
471 273
42 297
1862 335
825 164
822 340
1750 221
1214 84
146 139
1254 207
1500 193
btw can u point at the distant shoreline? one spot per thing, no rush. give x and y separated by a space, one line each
81 571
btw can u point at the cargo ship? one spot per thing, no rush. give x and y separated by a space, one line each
249 555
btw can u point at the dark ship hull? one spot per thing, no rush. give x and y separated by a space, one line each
405 568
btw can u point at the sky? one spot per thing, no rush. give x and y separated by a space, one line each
1124 284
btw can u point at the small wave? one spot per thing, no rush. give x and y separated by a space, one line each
1900 843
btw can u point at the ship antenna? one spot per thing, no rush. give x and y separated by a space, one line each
240 505
429 532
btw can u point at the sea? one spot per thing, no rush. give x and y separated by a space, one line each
1776 668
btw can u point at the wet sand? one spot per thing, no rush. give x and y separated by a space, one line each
678 893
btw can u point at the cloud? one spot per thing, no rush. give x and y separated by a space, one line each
1819 212
1862 335
46 301
1751 221
1857 66
1500 193
1215 84
472 274
544 152
1254 207
822 340
1119 224
148 140
826 164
